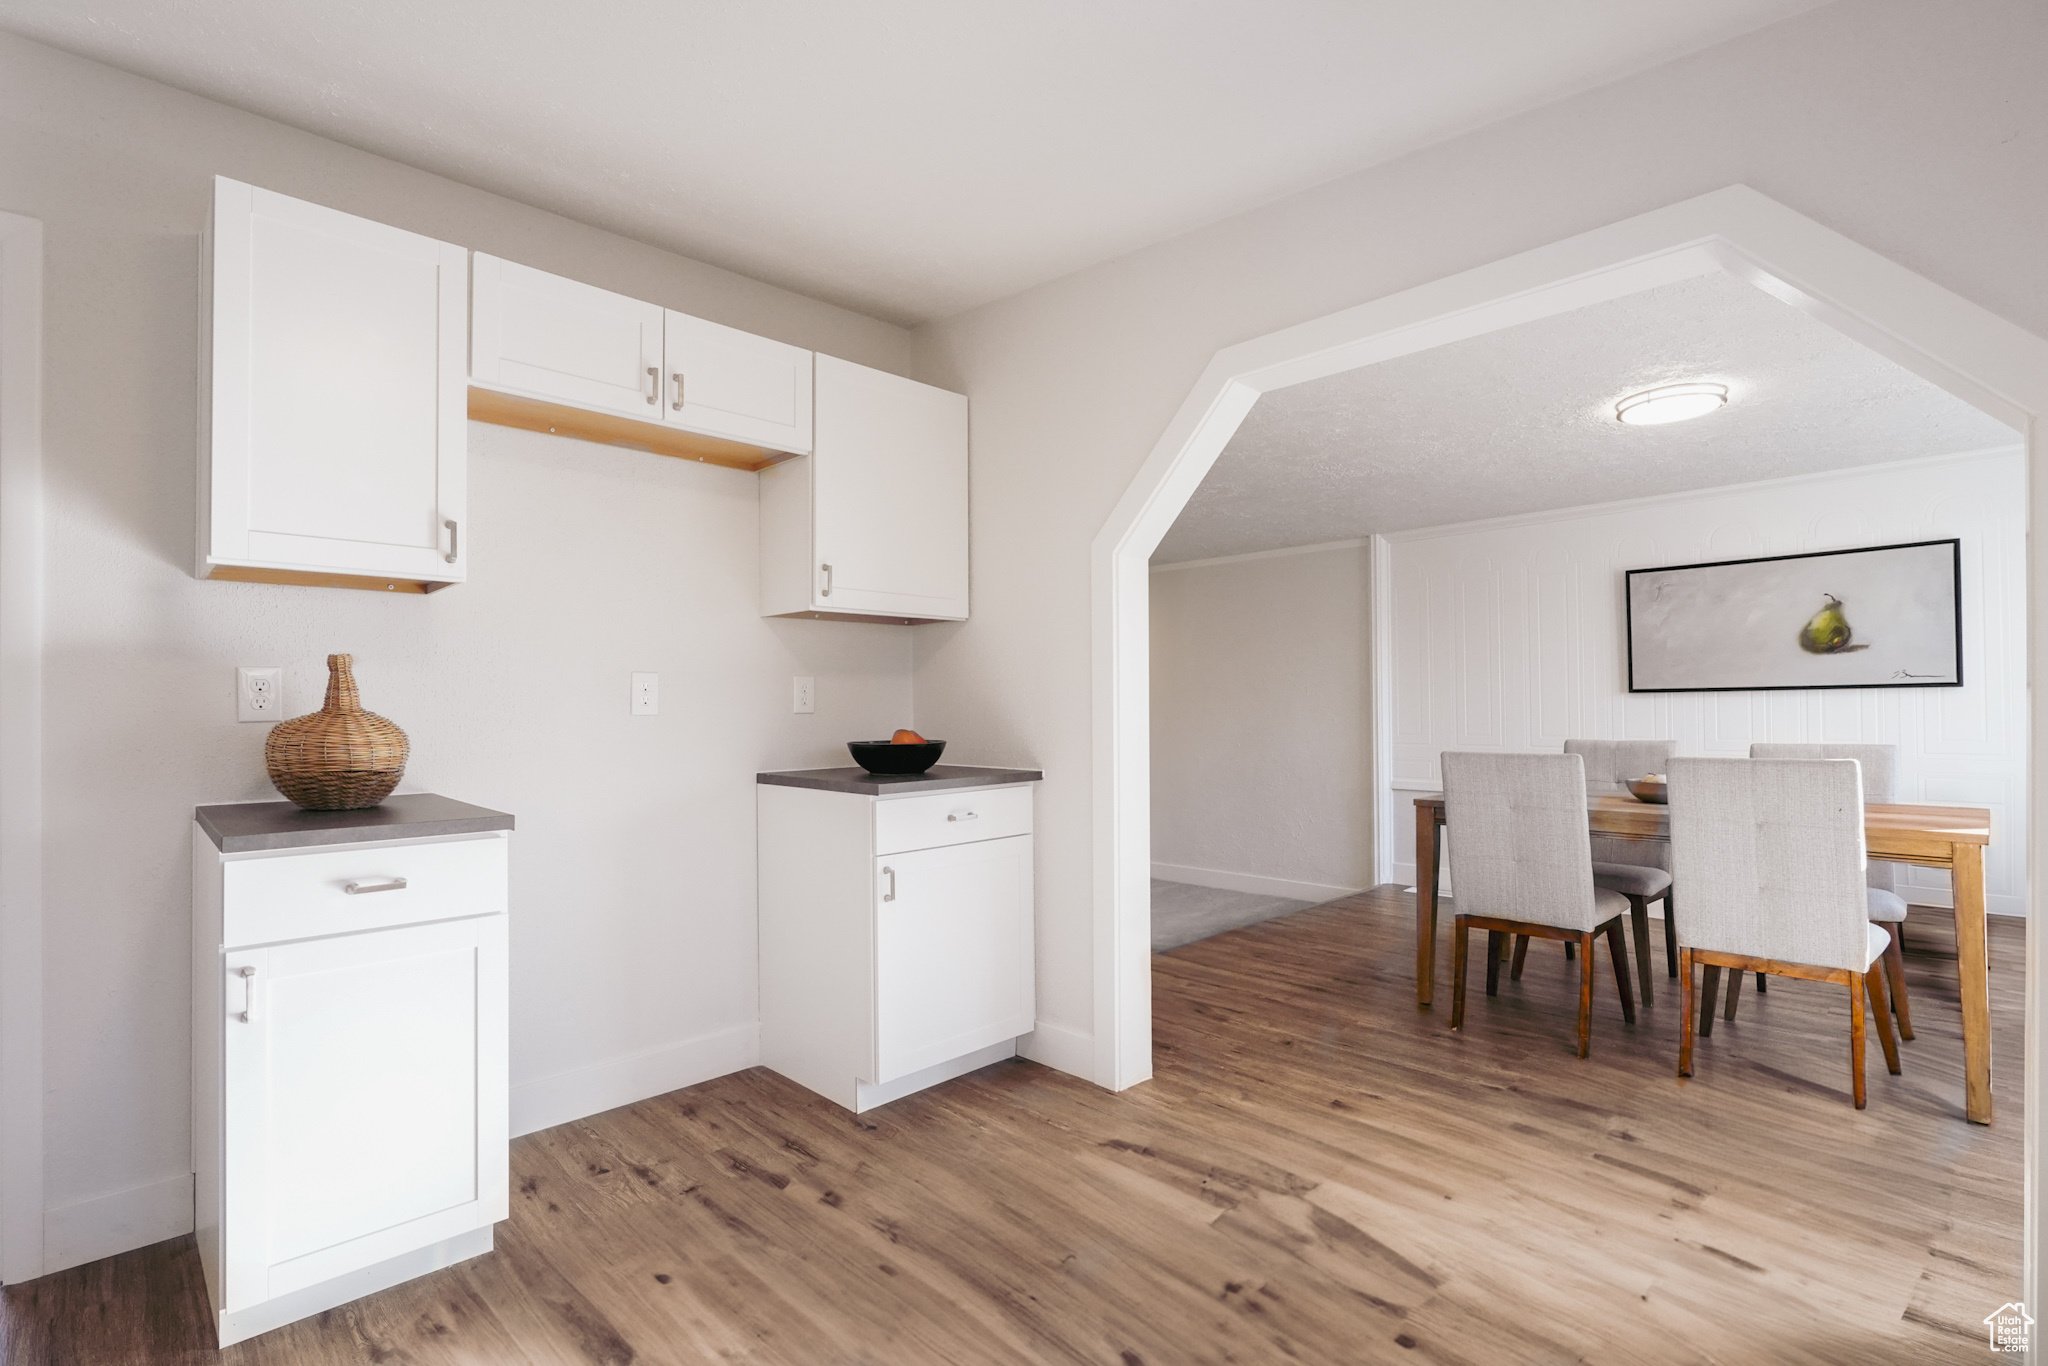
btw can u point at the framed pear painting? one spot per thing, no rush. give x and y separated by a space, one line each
1884 616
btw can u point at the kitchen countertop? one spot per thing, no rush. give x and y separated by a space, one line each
937 778
246 827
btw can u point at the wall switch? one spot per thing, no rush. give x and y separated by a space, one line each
259 694
646 694
806 699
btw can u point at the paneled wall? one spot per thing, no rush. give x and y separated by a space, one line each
1509 635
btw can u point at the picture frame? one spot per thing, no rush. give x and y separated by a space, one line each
1884 616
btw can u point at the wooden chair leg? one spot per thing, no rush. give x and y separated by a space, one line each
1461 935
1618 953
1895 971
1873 987
1521 957
1710 986
1571 950
1585 993
1685 1012
1670 935
1734 993
1493 943
1639 928
1856 1043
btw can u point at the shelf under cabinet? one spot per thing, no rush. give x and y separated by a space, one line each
610 429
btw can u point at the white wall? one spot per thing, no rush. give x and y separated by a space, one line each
1914 133
1261 765
633 904
1510 635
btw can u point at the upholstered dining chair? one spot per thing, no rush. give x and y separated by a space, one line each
1880 764
1639 869
1520 864
1771 854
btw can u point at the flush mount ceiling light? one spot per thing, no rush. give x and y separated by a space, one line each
1672 403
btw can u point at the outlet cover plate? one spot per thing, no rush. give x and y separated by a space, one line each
259 694
804 698
646 694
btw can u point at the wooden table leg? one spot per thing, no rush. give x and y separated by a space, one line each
1426 843
1974 970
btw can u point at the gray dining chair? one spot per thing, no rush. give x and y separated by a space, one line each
1887 909
1771 854
1639 869
1521 865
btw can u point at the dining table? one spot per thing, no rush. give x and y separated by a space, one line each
1950 837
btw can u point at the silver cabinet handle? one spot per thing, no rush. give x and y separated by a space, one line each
653 384
677 376
248 976
890 895
962 816
396 884
454 540
826 592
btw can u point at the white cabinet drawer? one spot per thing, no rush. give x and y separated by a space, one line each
933 819
303 895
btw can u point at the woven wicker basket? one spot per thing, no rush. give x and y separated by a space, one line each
340 758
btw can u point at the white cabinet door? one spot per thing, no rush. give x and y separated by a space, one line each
953 953
364 1100
729 383
546 337
889 491
335 416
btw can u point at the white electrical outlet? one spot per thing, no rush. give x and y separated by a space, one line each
646 694
259 694
805 700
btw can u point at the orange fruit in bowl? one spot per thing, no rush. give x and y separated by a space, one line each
908 737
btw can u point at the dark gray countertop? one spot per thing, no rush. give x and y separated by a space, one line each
243 827
934 779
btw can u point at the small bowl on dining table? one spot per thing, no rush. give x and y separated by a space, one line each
1651 789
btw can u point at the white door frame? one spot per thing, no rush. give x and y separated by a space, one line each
1944 338
21 748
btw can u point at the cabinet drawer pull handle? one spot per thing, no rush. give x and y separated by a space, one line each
677 376
962 816
890 895
827 591
653 385
248 976
396 884
454 540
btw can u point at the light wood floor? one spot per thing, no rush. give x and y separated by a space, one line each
1318 1174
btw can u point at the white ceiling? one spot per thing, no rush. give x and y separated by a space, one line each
1522 420
909 158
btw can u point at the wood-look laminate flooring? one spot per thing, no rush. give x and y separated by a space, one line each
1319 1173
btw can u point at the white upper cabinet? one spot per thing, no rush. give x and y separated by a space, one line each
574 346
541 335
873 523
729 383
332 440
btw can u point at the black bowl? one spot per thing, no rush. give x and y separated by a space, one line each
879 756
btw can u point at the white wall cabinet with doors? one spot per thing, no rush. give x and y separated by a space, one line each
873 523
552 353
332 444
896 930
349 1063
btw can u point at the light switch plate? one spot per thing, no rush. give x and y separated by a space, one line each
646 694
805 699
259 694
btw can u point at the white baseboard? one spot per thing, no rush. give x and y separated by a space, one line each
547 1101
867 1095
1060 1048
1255 883
88 1230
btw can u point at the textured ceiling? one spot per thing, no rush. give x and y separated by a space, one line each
909 158
1523 419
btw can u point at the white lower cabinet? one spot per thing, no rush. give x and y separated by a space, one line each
885 968
350 1112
